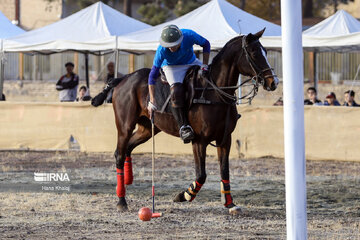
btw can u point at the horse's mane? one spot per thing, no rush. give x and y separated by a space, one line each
222 51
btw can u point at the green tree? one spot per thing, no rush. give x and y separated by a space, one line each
160 10
182 7
153 13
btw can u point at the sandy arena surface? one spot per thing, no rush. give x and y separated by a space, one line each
88 209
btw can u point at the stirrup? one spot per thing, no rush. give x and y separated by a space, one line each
186 133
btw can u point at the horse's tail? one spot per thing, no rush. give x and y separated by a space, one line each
100 98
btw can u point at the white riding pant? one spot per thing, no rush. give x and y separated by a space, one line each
176 73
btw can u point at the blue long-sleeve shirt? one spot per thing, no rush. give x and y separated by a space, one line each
184 55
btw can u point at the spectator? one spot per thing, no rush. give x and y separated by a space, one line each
3 98
111 75
312 95
331 100
83 94
67 84
349 99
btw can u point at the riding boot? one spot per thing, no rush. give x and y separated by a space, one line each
186 132
178 109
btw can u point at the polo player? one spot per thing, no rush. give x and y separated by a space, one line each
175 55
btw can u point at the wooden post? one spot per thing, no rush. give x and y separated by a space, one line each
311 67
21 66
131 63
76 62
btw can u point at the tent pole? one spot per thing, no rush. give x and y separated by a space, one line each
87 69
116 58
294 132
316 80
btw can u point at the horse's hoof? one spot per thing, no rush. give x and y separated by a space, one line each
122 208
122 205
180 197
235 210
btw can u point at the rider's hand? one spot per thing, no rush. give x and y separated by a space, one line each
151 108
204 70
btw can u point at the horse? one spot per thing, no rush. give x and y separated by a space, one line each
244 55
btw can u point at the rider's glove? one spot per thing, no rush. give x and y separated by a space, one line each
204 70
151 109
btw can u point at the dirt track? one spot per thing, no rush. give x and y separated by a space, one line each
88 210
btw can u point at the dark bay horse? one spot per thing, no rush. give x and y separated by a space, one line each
211 122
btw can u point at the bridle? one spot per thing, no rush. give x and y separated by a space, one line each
258 72
254 81
231 99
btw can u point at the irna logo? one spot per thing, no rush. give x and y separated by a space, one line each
51 177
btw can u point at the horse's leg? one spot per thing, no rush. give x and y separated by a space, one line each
142 134
226 198
199 149
125 129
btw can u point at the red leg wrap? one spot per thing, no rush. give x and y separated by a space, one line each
225 193
120 188
128 171
191 192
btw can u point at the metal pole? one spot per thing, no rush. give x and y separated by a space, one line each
116 57
316 79
295 171
87 70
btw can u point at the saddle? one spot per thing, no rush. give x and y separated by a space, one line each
162 89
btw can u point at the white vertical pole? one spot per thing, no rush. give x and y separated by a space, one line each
2 71
294 140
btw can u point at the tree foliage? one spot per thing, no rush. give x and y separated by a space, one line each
182 7
159 11
154 13
270 9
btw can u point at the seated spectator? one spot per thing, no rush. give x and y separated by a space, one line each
111 75
279 102
349 99
83 94
331 100
3 98
312 95
67 84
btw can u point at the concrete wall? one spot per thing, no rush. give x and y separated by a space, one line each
332 133
44 91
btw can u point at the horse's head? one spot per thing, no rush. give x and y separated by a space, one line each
257 65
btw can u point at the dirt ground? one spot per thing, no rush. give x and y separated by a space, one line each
85 206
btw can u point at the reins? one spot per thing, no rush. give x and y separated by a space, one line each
255 81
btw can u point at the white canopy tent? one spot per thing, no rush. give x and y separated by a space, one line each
7 29
93 29
339 32
218 21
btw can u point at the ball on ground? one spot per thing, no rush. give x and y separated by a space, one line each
145 214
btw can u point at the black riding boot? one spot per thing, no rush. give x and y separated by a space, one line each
186 132
178 109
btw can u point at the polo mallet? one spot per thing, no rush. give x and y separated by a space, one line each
154 214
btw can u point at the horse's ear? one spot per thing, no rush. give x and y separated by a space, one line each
260 33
